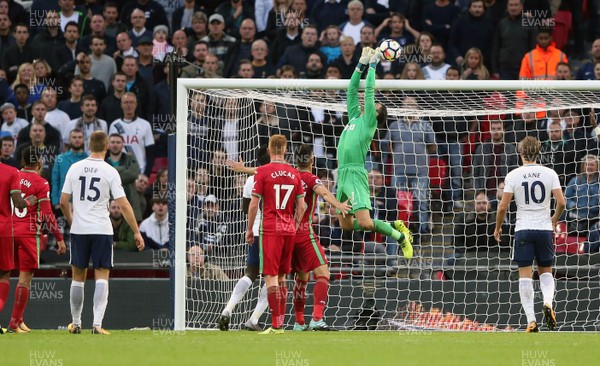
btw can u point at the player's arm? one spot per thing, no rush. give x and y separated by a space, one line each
300 210
65 200
370 112
352 103
130 218
19 201
501 214
560 205
48 216
245 204
330 198
252 211
238 167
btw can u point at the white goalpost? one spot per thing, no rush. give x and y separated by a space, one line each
441 174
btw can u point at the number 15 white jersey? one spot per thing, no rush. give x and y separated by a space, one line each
91 183
531 186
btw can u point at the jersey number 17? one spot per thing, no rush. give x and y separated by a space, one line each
280 203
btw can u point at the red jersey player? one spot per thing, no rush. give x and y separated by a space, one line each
27 225
278 186
10 187
308 253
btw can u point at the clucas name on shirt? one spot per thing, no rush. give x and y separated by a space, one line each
283 173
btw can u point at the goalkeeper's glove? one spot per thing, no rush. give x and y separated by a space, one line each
375 58
365 55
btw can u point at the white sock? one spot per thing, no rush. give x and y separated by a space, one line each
239 291
100 301
261 305
547 287
526 292
76 299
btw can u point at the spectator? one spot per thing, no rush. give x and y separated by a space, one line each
211 66
326 12
422 52
128 169
180 45
233 12
198 133
574 131
297 55
559 154
583 206
193 70
330 43
91 85
355 22
20 52
125 48
367 39
54 116
198 268
6 37
6 154
155 229
241 49
472 67
347 61
98 26
136 132
332 237
154 13
438 18
111 16
68 14
136 85
88 122
262 10
398 29
592 245
110 108
526 125
378 11
37 138
199 29
50 37
263 68
493 160
586 71
63 163
146 59
475 233
436 70
72 106
169 6
472 30
160 45
453 73
286 36
563 71
410 140
22 101
212 227
43 72
540 63
218 41
245 70
412 71
123 238
267 122
26 75
139 30
141 184
66 52
314 66
10 122
184 17
385 207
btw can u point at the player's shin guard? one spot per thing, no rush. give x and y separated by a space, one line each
100 301
21 297
273 298
386 229
76 299
547 286
526 292
282 302
238 292
320 297
299 300
4 288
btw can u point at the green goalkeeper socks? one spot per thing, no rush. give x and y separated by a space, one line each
382 227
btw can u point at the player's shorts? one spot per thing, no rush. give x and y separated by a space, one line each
533 244
27 252
253 259
7 260
308 253
275 254
353 183
95 246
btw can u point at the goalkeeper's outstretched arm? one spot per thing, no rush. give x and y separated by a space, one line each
370 111
352 93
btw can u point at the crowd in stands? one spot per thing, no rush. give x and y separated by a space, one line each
68 68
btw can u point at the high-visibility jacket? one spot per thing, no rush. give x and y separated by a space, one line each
541 64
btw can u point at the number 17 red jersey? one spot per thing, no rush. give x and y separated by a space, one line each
278 185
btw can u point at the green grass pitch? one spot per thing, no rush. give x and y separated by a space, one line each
58 348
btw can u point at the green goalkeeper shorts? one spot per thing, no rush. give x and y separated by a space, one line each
353 184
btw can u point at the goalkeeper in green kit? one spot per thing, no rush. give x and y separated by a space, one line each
352 151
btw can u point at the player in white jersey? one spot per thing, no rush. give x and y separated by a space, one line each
136 131
91 182
531 186
252 262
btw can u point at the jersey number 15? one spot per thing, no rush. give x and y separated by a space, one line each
93 191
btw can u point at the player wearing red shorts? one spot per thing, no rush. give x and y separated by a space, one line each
278 187
10 187
27 223
308 255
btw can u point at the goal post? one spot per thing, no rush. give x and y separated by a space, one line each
466 289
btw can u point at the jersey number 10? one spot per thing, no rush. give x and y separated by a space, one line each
533 193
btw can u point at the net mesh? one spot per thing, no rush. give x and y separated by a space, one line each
438 164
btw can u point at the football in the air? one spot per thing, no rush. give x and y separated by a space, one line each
390 49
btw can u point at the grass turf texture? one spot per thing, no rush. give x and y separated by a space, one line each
60 348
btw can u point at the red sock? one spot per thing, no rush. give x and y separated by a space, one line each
282 302
21 297
4 288
273 299
320 297
299 300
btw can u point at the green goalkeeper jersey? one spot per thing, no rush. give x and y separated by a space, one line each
358 133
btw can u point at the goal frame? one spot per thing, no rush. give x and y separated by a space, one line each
185 84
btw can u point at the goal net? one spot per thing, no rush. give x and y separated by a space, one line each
438 164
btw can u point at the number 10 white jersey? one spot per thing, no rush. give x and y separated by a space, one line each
91 183
531 186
